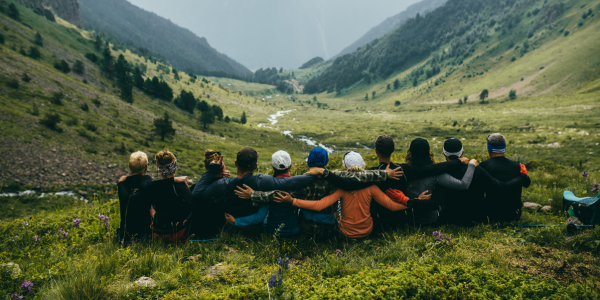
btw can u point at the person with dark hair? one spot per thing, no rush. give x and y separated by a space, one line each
354 217
427 212
503 205
321 224
466 207
384 148
222 190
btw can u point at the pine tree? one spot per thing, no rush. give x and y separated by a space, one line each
243 120
98 43
78 67
25 78
207 117
34 53
13 12
374 92
218 111
138 79
108 63
227 119
367 97
124 82
186 101
484 94
163 127
389 87
202 105
38 40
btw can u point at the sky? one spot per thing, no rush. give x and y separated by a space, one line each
277 33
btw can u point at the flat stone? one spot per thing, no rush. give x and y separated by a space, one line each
145 281
216 269
546 208
532 206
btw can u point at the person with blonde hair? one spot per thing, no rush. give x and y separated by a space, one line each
135 216
354 216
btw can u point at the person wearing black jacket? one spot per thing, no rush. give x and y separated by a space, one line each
504 205
135 215
384 147
466 207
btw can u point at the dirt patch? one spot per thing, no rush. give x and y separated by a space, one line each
547 262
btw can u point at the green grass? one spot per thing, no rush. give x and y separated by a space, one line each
484 261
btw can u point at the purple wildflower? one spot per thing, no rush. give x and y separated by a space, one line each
62 234
338 252
367 152
36 239
584 174
27 286
524 267
16 297
287 262
273 281
76 222
105 220
90 204
593 190
279 262
539 186
596 184
280 280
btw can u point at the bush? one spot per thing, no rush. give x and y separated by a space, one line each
62 66
25 78
397 103
84 107
90 126
13 84
567 32
73 121
512 95
57 98
513 58
13 12
51 121
78 67
34 53
227 119
92 57
34 110
96 102
1 39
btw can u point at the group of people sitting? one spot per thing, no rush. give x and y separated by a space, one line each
321 203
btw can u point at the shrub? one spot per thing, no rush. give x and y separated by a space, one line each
34 110
226 119
78 67
1 39
13 12
397 103
96 102
90 126
13 84
25 78
57 98
567 32
92 57
62 66
513 58
34 53
51 121
512 95
38 40
84 107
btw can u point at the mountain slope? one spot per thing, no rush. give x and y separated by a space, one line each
392 23
143 29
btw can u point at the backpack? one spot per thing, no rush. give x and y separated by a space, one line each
585 209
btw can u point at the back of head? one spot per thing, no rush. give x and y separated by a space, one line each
281 161
210 155
385 146
353 161
496 143
138 161
419 153
453 148
318 157
246 159
166 162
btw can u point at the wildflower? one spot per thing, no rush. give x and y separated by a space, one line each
105 220
16 297
27 286
27 224
539 186
584 174
76 222
279 262
62 234
367 152
36 239
593 190
16 237
273 281
596 184
338 252
90 204
280 280
524 267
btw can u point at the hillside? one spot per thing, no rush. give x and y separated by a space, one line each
97 129
392 23
142 29
67 10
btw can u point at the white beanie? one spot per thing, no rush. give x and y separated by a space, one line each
281 160
352 159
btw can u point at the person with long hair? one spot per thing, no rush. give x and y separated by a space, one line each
354 216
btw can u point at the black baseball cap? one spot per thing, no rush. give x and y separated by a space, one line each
385 145
247 158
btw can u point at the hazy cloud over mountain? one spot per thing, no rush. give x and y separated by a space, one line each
277 33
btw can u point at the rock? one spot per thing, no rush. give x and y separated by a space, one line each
229 249
573 220
546 208
145 281
112 166
216 269
12 267
531 205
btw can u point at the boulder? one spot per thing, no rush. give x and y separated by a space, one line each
546 208
145 281
531 205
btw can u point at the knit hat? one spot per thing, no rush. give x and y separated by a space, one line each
318 157
281 160
352 159
419 148
453 148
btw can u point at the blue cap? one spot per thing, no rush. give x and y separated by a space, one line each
318 157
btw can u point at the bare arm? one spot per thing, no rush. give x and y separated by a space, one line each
314 205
